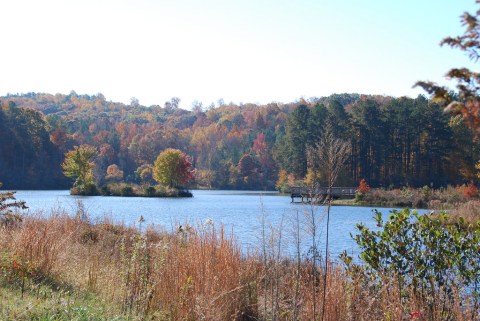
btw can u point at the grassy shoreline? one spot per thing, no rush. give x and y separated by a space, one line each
425 197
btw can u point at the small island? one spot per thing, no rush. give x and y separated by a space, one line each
172 170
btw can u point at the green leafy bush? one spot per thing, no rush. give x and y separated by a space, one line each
105 190
127 190
89 189
428 258
150 191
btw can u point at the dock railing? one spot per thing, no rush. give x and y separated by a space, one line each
308 195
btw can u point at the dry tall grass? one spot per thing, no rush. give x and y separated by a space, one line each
198 274
425 197
469 211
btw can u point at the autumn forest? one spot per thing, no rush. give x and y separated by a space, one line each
393 141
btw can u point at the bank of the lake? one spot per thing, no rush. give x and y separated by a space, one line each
446 198
130 190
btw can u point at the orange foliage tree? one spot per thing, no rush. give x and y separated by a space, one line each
114 173
363 187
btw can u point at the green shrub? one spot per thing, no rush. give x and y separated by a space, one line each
184 193
427 257
127 190
105 190
359 197
150 191
89 189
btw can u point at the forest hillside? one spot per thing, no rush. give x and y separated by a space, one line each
394 141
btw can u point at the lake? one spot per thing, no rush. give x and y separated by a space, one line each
239 211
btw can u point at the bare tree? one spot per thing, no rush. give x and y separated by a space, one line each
330 154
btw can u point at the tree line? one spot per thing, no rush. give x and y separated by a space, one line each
393 141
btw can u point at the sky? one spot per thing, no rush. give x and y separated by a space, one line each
241 51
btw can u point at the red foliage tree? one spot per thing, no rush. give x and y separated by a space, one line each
363 187
186 169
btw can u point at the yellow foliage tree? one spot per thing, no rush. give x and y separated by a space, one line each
173 168
79 164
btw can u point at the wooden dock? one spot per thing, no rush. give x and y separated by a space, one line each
317 195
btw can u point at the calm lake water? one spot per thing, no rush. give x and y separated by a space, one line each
239 211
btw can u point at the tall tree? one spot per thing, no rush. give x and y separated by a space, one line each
318 116
296 138
368 140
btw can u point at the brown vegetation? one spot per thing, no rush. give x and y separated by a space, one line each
468 211
425 197
192 274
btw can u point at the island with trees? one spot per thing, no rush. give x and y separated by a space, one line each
171 170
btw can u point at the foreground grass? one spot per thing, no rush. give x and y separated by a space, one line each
44 302
71 269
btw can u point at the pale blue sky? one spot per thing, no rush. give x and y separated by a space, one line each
255 51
